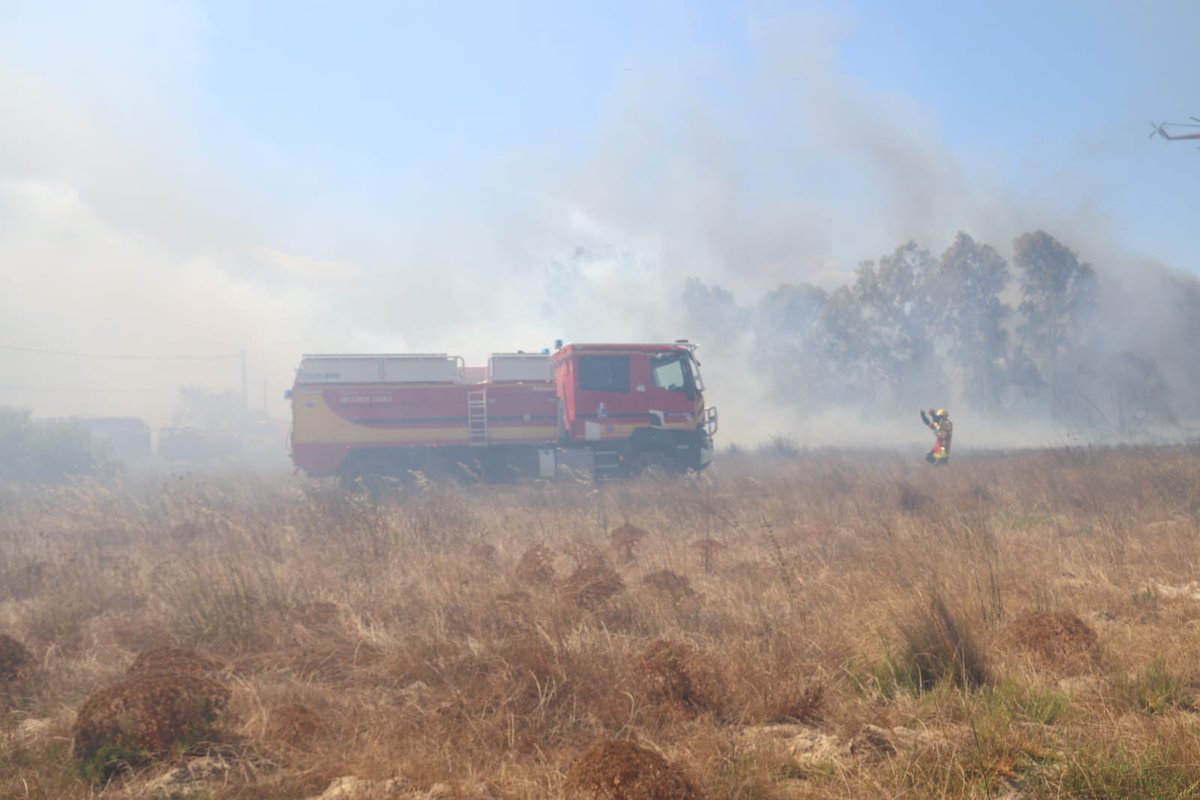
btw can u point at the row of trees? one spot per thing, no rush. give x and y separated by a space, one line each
1036 337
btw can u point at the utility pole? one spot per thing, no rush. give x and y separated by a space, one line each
245 399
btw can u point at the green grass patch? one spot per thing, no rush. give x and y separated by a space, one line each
110 761
1093 774
807 771
1028 703
885 679
1156 690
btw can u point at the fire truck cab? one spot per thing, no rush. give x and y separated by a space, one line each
638 405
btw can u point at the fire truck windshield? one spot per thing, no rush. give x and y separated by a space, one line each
672 371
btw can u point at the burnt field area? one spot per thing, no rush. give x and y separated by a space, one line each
812 625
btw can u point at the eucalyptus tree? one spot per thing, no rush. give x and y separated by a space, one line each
1058 295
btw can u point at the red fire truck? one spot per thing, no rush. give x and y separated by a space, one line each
623 408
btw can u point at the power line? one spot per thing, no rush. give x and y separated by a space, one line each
111 383
123 357
144 372
89 389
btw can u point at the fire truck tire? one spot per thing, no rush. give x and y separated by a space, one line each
453 471
373 477
654 464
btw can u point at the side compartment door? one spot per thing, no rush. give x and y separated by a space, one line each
605 405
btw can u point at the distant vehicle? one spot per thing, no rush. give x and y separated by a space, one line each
127 439
198 446
264 442
630 408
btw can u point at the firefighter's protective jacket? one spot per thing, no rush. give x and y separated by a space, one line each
944 430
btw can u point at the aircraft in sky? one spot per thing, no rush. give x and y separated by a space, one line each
1161 130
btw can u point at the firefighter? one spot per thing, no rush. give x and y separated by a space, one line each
939 422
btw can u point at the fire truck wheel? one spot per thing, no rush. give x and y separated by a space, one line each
449 471
654 464
374 478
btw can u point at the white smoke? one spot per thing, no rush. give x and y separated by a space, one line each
128 226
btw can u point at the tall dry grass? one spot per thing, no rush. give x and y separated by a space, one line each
795 625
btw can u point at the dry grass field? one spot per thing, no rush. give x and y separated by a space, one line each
822 625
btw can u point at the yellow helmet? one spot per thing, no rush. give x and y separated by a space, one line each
941 413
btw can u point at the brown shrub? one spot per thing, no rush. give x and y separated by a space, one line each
147 716
182 660
536 565
773 697
511 614
16 662
134 630
1054 634
517 685
795 703
513 678
670 583
586 554
483 554
319 613
625 540
677 674
626 771
515 599
329 660
20 581
766 687
708 549
295 725
910 499
186 532
589 586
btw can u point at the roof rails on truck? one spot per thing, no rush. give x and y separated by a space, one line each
380 368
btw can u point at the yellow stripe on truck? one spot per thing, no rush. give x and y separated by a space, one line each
316 423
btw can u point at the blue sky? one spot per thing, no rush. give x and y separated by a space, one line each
1053 98
1055 86
470 177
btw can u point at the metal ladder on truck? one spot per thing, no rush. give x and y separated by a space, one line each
477 417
